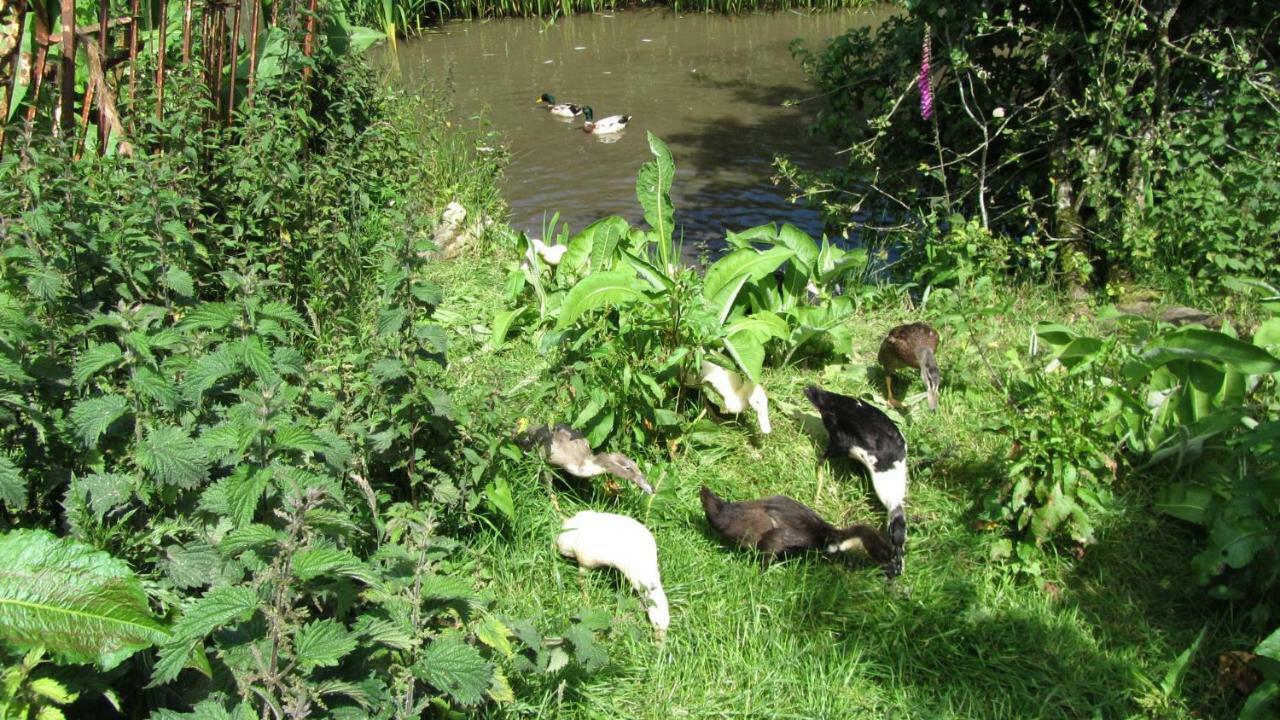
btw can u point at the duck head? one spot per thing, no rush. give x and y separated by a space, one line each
624 467
546 98
760 403
932 378
898 542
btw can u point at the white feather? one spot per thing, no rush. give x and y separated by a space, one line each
550 254
736 392
890 485
597 539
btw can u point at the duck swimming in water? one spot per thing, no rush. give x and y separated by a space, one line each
605 125
779 526
911 345
861 431
568 449
566 110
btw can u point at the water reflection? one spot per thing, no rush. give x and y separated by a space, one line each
716 88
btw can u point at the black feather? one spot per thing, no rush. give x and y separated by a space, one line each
852 423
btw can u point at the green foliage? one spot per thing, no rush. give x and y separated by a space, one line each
1116 138
23 695
1264 700
79 603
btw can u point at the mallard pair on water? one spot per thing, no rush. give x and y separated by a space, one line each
603 126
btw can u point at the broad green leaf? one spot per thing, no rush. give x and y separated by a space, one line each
653 189
616 287
1270 647
78 602
296 437
390 320
360 38
722 303
726 271
747 351
762 325
592 248
455 669
247 538
208 370
1268 334
799 242
192 566
444 587
92 416
217 608
95 360
1262 702
650 272
1185 502
502 323
382 630
498 495
322 643
13 487
155 387
1191 343
171 457
314 562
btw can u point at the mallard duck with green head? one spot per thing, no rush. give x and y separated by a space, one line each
605 125
567 110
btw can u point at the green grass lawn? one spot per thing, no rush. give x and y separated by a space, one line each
958 636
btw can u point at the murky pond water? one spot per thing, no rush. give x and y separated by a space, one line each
713 87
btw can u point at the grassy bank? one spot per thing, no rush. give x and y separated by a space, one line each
959 636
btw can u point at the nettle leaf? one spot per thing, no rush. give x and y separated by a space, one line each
390 320
254 355
211 316
248 538
590 655
208 370
244 490
282 312
322 643
314 562
107 491
295 437
13 372
387 369
288 361
492 632
208 710
616 287
427 292
95 360
76 601
433 334
192 567
152 385
383 630
13 487
218 607
171 457
455 669
91 417
444 587
180 281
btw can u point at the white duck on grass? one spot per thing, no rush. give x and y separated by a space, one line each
736 392
597 539
550 254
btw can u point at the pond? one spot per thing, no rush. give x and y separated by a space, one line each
724 92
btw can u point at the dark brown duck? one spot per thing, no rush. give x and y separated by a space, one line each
779 526
912 345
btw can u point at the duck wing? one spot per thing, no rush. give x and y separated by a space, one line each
858 429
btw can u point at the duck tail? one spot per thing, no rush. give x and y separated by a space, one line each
626 119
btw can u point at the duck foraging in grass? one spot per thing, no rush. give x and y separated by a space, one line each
605 125
597 539
550 254
566 110
736 392
568 449
911 345
779 526
859 430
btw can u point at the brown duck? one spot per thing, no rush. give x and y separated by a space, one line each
911 345
779 526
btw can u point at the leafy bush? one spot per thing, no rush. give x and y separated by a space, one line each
1113 137
219 364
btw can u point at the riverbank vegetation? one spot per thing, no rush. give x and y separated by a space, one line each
258 427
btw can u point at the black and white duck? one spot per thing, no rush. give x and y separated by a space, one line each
569 450
861 431
911 345
779 526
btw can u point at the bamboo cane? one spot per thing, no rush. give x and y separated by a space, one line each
67 78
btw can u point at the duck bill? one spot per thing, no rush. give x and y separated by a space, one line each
642 483
932 391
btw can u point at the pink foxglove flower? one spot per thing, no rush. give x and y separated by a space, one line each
926 89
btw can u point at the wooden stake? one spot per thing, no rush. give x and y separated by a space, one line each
161 49
17 70
253 48
310 39
67 78
104 12
235 59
